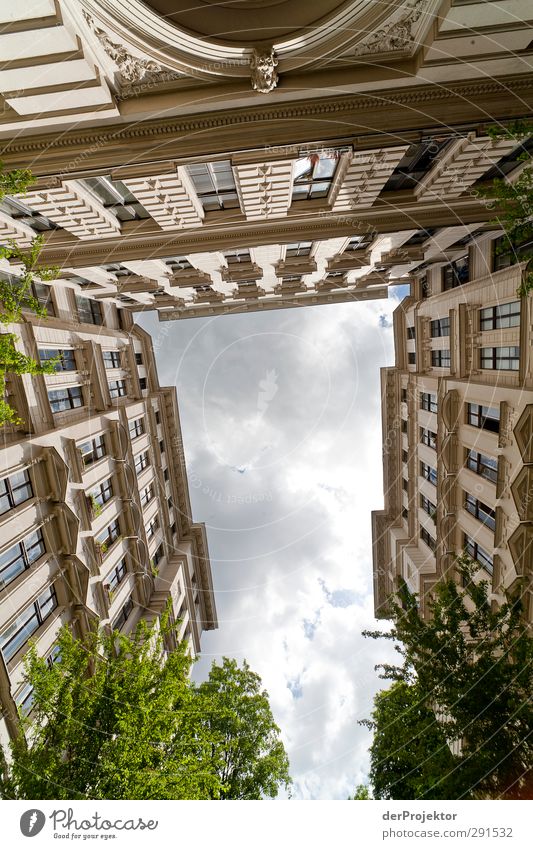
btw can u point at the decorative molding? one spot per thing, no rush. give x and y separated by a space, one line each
263 66
395 36
132 69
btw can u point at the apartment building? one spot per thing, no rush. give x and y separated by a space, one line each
458 424
95 518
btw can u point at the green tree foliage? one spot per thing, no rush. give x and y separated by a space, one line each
15 182
247 755
15 362
117 717
514 200
471 664
362 793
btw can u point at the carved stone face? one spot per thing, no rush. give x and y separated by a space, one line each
263 67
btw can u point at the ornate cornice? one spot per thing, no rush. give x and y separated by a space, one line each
467 95
395 36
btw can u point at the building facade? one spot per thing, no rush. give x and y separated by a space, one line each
95 519
458 426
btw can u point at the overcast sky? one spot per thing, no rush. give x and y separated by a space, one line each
281 421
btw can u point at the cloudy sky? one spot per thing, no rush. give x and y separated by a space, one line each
281 422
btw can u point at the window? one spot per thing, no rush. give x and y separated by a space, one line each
109 536
89 311
356 243
505 253
142 461
477 553
416 162
313 175
486 418
405 485
111 359
142 383
234 257
165 474
456 273
404 426
411 358
441 358
147 495
64 356
405 457
161 446
178 263
506 359
117 388
173 529
298 249
116 575
20 557
123 616
115 196
440 327
215 185
428 506
428 402
65 399
158 555
152 527
485 467
411 332
157 417
428 437
29 621
138 359
404 396
405 514
93 450
43 294
136 427
14 490
429 473
102 493
482 512
428 539
25 698
500 316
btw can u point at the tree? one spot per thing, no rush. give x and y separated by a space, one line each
247 754
362 793
472 666
409 753
15 362
15 182
117 717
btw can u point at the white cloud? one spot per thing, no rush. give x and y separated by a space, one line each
282 428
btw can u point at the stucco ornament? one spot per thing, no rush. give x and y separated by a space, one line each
132 69
263 67
397 35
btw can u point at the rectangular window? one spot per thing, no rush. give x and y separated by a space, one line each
89 311
123 616
428 437
214 185
20 556
405 514
158 555
102 493
404 396
411 332
143 383
165 474
14 637
116 576
428 539
111 359
485 467
313 175
157 417
441 358
43 294
136 427
138 359
429 473
411 358
178 263
505 359
65 399
356 243
152 527
456 273
142 461
506 253
428 402
428 506
14 490
477 553
93 450
500 316
65 360
481 511
161 446
405 485
485 418
117 388
298 249
404 426
440 327
405 457
235 257
147 495
109 536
